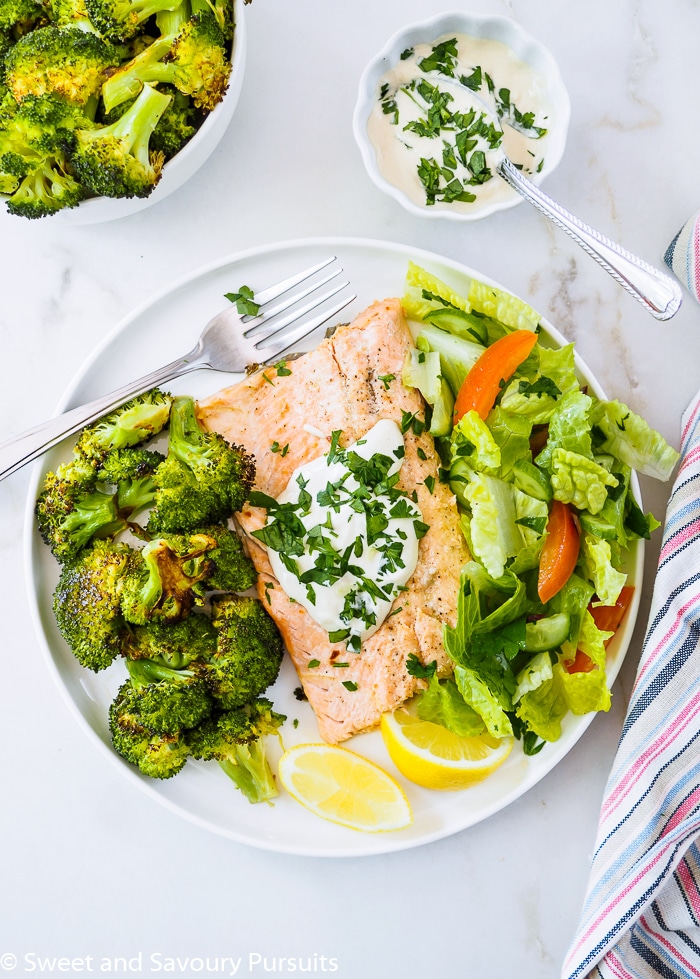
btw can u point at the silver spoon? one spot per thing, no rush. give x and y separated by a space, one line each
657 292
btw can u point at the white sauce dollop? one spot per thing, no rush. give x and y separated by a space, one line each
405 156
336 526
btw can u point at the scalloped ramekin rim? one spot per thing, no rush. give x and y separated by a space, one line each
494 27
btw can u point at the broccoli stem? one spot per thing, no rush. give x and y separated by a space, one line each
250 770
146 68
133 129
185 442
143 672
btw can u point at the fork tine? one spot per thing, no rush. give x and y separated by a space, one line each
253 322
283 343
281 322
281 287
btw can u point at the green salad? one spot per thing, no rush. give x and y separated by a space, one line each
541 470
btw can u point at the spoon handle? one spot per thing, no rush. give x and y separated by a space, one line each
660 295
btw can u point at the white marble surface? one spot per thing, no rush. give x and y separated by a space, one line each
89 865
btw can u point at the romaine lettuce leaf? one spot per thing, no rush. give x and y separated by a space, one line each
442 703
579 480
533 675
538 398
597 564
417 304
457 356
494 533
543 707
502 306
512 435
569 428
473 442
632 440
478 695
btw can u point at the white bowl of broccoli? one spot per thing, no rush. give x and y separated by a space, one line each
110 105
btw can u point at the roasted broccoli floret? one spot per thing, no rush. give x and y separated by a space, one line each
203 480
222 10
157 755
163 576
119 20
70 13
168 700
133 423
176 126
131 471
176 644
231 568
20 16
194 60
45 190
71 510
87 606
116 160
235 738
65 61
32 160
248 652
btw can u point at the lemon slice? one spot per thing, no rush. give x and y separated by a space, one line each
344 787
430 755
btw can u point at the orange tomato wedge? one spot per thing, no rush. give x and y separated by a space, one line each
560 552
581 663
609 617
495 366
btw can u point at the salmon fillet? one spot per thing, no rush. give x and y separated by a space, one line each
349 382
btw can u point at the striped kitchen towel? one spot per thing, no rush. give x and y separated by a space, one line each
641 915
683 255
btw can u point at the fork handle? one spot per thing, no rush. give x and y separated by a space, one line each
660 295
23 448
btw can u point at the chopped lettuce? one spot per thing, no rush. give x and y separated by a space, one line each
442 703
425 292
494 533
544 438
511 433
457 355
536 399
502 306
569 428
479 696
421 370
472 440
629 438
579 480
598 565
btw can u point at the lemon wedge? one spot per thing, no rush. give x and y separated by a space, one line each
430 755
344 787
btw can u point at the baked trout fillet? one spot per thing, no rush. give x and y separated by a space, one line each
285 418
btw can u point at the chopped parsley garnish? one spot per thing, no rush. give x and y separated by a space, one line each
543 385
244 300
281 449
386 380
309 532
314 663
422 671
282 369
349 684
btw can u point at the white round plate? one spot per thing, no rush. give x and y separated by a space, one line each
159 331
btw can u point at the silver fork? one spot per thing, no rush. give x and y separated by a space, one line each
230 342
